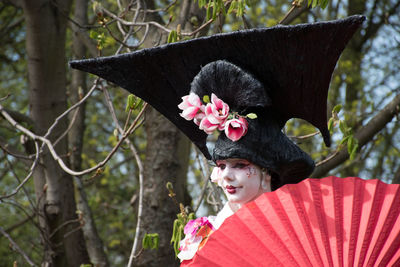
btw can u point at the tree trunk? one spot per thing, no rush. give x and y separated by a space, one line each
78 87
166 160
167 156
45 42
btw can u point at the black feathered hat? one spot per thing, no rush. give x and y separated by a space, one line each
291 64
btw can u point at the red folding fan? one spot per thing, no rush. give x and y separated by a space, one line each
318 222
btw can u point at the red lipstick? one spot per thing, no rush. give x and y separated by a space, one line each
230 189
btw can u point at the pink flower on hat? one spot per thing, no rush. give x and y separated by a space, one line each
217 111
199 116
191 106
207 126
236 128
214 116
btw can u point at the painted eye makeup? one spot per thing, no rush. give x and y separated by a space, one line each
240 165
221 166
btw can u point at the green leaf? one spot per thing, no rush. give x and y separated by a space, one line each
330 125
208 12
324 3
344 140
93 35
130 103
202 3
350 144
172 37
251 116
214 13
223 9
169 186
154 240
139 104
150 241
145 242
232 6
337 108
343 127
314 4
240 9
353 152
206 99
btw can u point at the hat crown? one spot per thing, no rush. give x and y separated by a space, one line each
236 87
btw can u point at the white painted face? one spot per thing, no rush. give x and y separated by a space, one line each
241 180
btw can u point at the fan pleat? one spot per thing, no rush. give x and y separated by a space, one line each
371 210
283 223
257 227
302 196
355 201
391 257
322 217
337 202
318 222
225 250
385 222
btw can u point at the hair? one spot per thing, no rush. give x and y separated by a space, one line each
227 81
264 143
275 180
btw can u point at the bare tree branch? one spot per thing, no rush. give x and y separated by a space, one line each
13 151
155 24
373 26
17 248
65 113
294 12
34 164
213 194
54 154
140 167
84 37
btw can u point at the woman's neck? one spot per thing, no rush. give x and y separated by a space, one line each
234 207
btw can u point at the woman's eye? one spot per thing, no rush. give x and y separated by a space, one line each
221 166
240 165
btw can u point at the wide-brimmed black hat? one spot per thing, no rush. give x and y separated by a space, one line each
294 64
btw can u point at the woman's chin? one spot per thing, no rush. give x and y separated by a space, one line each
238 201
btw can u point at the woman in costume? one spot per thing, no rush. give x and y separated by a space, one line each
252 155
255 81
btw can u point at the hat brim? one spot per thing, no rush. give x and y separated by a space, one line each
268 147
295 64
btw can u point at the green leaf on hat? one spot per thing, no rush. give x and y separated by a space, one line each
251 116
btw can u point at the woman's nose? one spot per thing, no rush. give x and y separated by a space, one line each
227 174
